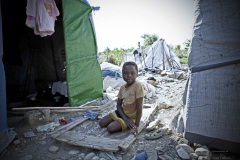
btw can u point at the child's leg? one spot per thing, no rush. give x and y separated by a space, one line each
114 126
105 121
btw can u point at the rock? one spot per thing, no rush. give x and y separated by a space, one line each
203 158
102 159
32 117
53 149
73 152
193 156
186 147
182 153
152 125
16 142
46 113
203 151
164 157
89 156
163 73
152 82
82 155
96 158
183 141
107 155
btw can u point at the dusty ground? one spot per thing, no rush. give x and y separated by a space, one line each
168 91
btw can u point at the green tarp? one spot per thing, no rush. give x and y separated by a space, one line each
84 80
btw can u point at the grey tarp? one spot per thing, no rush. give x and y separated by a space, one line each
211 113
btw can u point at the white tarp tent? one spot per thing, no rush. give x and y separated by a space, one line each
156 56
211 111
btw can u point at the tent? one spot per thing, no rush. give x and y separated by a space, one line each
156 56
33 63
211 110
84 79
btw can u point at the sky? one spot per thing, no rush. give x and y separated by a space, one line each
121 23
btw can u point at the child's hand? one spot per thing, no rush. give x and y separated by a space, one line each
130 123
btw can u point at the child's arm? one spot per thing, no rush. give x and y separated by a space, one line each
139 106
127 120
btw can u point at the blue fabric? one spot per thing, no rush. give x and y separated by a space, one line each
3 105
86 2
141 156
97 8
110 73
90 114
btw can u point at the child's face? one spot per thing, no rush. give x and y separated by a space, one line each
129 73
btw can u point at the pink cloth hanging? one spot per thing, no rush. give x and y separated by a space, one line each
41 16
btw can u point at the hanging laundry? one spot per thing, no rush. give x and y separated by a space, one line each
41 16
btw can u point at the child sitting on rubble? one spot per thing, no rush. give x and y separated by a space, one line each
129 103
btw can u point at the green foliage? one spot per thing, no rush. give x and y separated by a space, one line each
182 53
114 56
148 40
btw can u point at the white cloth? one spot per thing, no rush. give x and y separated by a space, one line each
60 87
41 16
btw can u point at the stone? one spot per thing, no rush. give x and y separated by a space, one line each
82 155
186 147
53 149
202 151
89 156
165 157
46 113
73 152
182 153
183 141
96 158
163 73
193 156
203 158
32 117
16 142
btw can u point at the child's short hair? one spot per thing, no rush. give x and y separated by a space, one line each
130 63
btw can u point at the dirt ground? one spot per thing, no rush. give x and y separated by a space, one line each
168 91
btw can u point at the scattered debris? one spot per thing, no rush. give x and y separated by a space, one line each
29 134
48 127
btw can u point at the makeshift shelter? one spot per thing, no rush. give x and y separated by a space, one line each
84 78
33 63
211 111
156 56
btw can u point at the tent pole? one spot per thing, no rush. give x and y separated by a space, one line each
163 58
54 58
29 69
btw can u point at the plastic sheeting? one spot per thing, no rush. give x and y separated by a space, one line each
211 111
158 55
216 33
84 80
